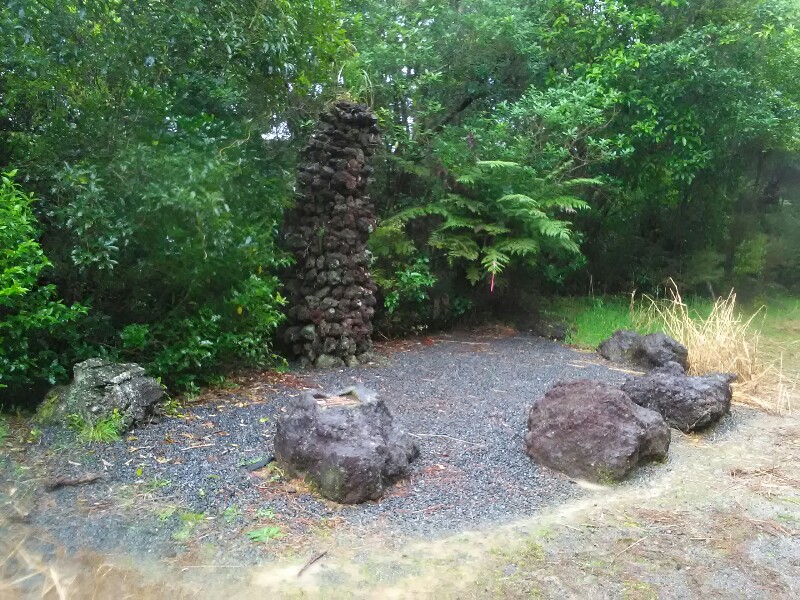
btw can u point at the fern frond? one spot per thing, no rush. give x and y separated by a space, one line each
494 261
466 179
521 206
554 229
498 164
518 246
415 212
570 183
391 241
456 222
518 199
492 229
474 274
566 203
456 201
456 246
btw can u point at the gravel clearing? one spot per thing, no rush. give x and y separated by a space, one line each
182 481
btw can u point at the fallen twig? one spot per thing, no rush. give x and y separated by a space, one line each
197 446
72 482
312 560
631 546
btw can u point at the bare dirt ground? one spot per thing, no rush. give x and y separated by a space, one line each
721 519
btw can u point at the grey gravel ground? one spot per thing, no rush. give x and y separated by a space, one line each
474 390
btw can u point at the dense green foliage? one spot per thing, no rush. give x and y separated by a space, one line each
529 147
139 126
31 317
671 121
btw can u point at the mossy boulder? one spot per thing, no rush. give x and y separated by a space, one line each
98 389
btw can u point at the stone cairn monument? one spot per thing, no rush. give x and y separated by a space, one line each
330 291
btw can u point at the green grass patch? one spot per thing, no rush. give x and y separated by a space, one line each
102 430
593 320
265 534
3 430
189 522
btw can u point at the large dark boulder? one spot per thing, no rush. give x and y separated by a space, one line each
346 444
100 388
592 430
687 403
645 351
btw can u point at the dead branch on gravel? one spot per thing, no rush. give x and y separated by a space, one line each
72 481
312 560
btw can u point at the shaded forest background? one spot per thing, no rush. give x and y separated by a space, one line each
530 148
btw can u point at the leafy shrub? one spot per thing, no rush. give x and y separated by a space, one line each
32 318
405 296
409 285
750 256
193 350
161 194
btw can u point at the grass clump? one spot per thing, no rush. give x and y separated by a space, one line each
188 523
3 430
102 430
722 341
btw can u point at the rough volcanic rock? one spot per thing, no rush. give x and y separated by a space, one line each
330 290
98 389
686 402
551 330
347 444
592 430
646 351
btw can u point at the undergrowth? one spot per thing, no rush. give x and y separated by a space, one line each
723 341
102 430
594 319
721 336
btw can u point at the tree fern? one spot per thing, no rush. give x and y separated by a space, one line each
504 212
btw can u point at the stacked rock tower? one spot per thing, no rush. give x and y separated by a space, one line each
331 293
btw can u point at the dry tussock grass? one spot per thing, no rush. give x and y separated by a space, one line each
23 575
725 342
